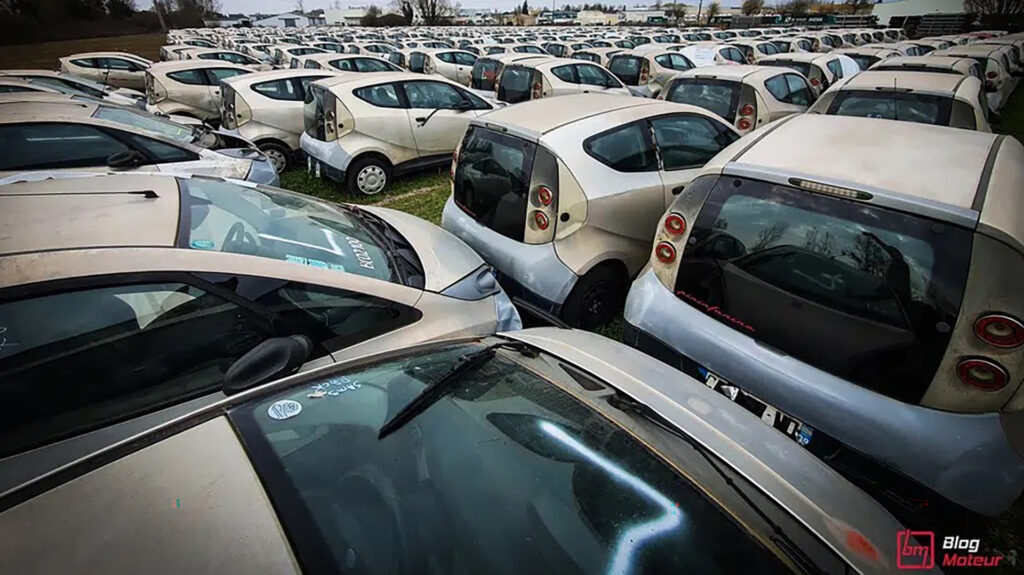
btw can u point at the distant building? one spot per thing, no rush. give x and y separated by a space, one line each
644 16
596 18
557 18
476 16
901 8
345 17
290 20
227 22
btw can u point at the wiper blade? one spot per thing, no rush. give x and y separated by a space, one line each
779 537
437 389
398 248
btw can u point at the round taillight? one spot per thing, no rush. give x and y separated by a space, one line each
747 110
999 330
992 75
544 195
983 374
815 82
675 224
665 252
744 124
540 220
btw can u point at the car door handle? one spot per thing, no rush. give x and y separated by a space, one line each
678 189
421 120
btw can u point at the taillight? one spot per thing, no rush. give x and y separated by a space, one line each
455 162
645 72
744 124
540 220
999 330
675 224
544 195
747 110
665 252
815 82
992 75
983 374
538 91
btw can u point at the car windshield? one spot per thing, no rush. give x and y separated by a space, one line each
889 105
504 473
146 122
280 225
719 96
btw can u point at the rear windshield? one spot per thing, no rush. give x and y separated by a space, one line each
492 180
416 61
587 56
918 68
864 62
515 84
627 68
802 67
719 96
888 105
484 73
867 294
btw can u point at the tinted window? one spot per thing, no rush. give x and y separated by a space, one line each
625 149
917 68
515 84
464 59
492 180
799 92
160 152
484 73
383 96
446 57
84 62
587 56
733 54
864 62
279 90
565 74
594 76
191 77
875 293
509 469
627 68
147 122
719 96
416 61
116 353
834 66
218 74
118 64
802 67
907 107
673 61
689 141
9 89
778 87
42 146
432 95
372 65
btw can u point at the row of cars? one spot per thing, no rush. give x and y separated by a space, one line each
806 272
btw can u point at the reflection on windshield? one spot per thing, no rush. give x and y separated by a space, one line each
906 107
716 96
145 122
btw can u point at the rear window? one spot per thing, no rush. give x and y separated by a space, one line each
719 96
492 180
416 61
627 68
867 294
515 84
903 106
864 62
484 73
802 67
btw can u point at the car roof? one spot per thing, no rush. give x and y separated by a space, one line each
865 51
538 117
973 49
736 72
43 107
361 79
173 66
933 61
245 79
811 57
130 210
104 55
898 79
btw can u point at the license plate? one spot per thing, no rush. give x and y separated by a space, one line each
790 426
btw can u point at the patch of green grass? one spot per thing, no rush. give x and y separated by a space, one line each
613 329
299 180
427 204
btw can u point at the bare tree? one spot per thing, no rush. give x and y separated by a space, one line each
752 7
995 7
795 7
769 236
407 9
434 12
854 6
300 6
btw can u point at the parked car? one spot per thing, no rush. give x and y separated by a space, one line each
748 97
711 54
873 309
16 85
455 65
821 70
227 56
57 132
755 50
995 62
613 461
185 276
933 64
519 48
560 195
926 97
361 130
282 54
189 87
794 44
347 63
868 57
599 56
118 69
487 69
647 72
70 84
535 79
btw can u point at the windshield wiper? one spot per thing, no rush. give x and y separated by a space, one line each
779 537
396 244
438 388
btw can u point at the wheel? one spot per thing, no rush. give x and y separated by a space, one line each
596 299
368 175
278 155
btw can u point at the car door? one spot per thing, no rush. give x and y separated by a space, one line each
437 123
213 78
595 79
121 73
685 142
464 67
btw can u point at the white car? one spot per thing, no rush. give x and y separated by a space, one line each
118 69
535 79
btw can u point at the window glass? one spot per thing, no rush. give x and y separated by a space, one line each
514 84
372 65
280 225
118 64
446 57
799 91
768 48
625 149
627 68
673 61
513 471
344 64
802 67
834 66
565 74
864 62
84 88
44 146
218 74
432 95
10 89
279 90
687 141
875 292
416 62
734 55
464 59
907 107
492 180
495 50
85 62
305 81
778 87
594 76
312 65
116 353
587 56
161 152
383 96
719 96
190 77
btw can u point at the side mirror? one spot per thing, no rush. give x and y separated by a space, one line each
125 160
271 359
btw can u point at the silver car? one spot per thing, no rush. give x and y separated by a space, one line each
869 308
540 451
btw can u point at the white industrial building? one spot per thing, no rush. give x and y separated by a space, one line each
289 20
345 17
887 10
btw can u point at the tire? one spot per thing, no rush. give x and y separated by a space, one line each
368 176
279 156
596 298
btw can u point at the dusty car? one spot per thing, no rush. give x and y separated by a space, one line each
189 274
118 69
487 69
821 70
518 48
535 79
14 84
282 54
361 130
755 50
933 64
951 100
712 54
347 63
996 65
868 57
58 132
70 84
189 87
747 97
266 108
646 72
793 44
227 56
560 195
455 65
870 314
599 56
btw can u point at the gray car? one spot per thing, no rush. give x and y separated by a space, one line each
868 308
532 452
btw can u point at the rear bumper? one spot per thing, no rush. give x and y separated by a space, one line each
952 454
531 272
332 158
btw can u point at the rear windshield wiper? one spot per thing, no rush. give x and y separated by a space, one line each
437 389
779 537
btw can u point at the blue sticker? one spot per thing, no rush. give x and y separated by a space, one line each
295 259
804 435
317 263
338 267
201 244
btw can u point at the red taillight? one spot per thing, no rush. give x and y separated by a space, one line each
815 82
992 75
983 374
544 195
665 252
538 90
675 224
744 124
645 72
540 220
747 110
999 330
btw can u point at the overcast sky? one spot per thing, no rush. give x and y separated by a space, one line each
278 6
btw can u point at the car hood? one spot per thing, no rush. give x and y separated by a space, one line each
445 258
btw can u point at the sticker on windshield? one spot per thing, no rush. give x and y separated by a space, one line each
338 267
316 263
295 259
359 250
284 409
201 244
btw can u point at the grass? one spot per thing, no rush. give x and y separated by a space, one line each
45 54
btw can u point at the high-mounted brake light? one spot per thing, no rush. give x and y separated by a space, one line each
665 252
983 374
675 224
830 189
999 330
